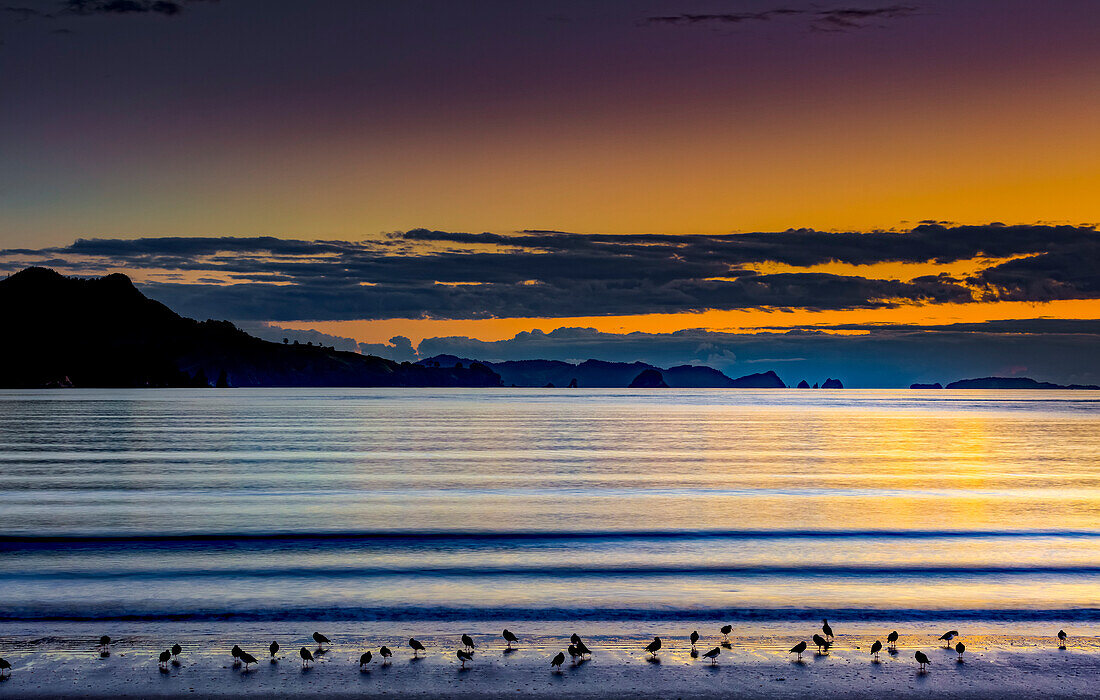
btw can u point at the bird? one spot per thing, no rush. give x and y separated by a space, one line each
876 648
104 642
726 629
694 638
1061 639
274 649
558 660
712 654
575 639
385 653
946 638
464 656
320 639
654 646
573 653
582 649
960 647
5 666
306 655
176 650
509 637
416 646
468 642
893 638
821 642
247 659
921 659
165 656
365 659
826 629
236 652
798 649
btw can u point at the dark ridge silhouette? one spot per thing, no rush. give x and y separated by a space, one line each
1014 383
803 384
103 332
648 379
832 384
937 385
599 374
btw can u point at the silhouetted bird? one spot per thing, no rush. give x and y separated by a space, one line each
306 655
417 647
385 653
320 639
582 649
798 649
274 649
573 653
365 659
247 659
558 660
236 652
1061 639
5 666
960 647
509 637
575 639
468 642
921 659
694 638
826 629
654 646
821 642
946 638
893 638
726 629
464 656
104 642
876 648
712 654
176 650
165 657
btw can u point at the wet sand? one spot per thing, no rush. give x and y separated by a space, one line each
996 664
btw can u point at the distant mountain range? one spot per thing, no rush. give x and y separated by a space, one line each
1003 383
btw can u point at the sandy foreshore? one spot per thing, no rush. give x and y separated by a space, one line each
52 659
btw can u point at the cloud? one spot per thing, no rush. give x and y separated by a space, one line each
838 19
452 275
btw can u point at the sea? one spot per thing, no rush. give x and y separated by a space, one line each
420 505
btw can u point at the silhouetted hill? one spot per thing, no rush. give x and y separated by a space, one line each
1013 383
103 332
648 379
598 374
937 385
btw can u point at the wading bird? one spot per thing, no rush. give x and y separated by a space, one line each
726 629
509 637
5 668
827 629
558 660
321 640
247 659
582 649
876 648
922 660
946 638
575 639
822 643
654 646
798 649
713 654
464 656
893 639
307 656
365 659
385 653
573 653
960 647
1061 639
274 649
165 657
104 644
236 652
417 647
468 642
694 638
176 650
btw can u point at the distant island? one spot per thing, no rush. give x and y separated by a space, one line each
1004 383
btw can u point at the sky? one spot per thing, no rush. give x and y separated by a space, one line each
690 180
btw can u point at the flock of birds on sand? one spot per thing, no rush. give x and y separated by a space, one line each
576 649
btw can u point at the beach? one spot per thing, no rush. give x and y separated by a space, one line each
996 663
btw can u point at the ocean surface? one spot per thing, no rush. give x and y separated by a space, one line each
511 504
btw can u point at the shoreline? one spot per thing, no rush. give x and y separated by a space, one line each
58 659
